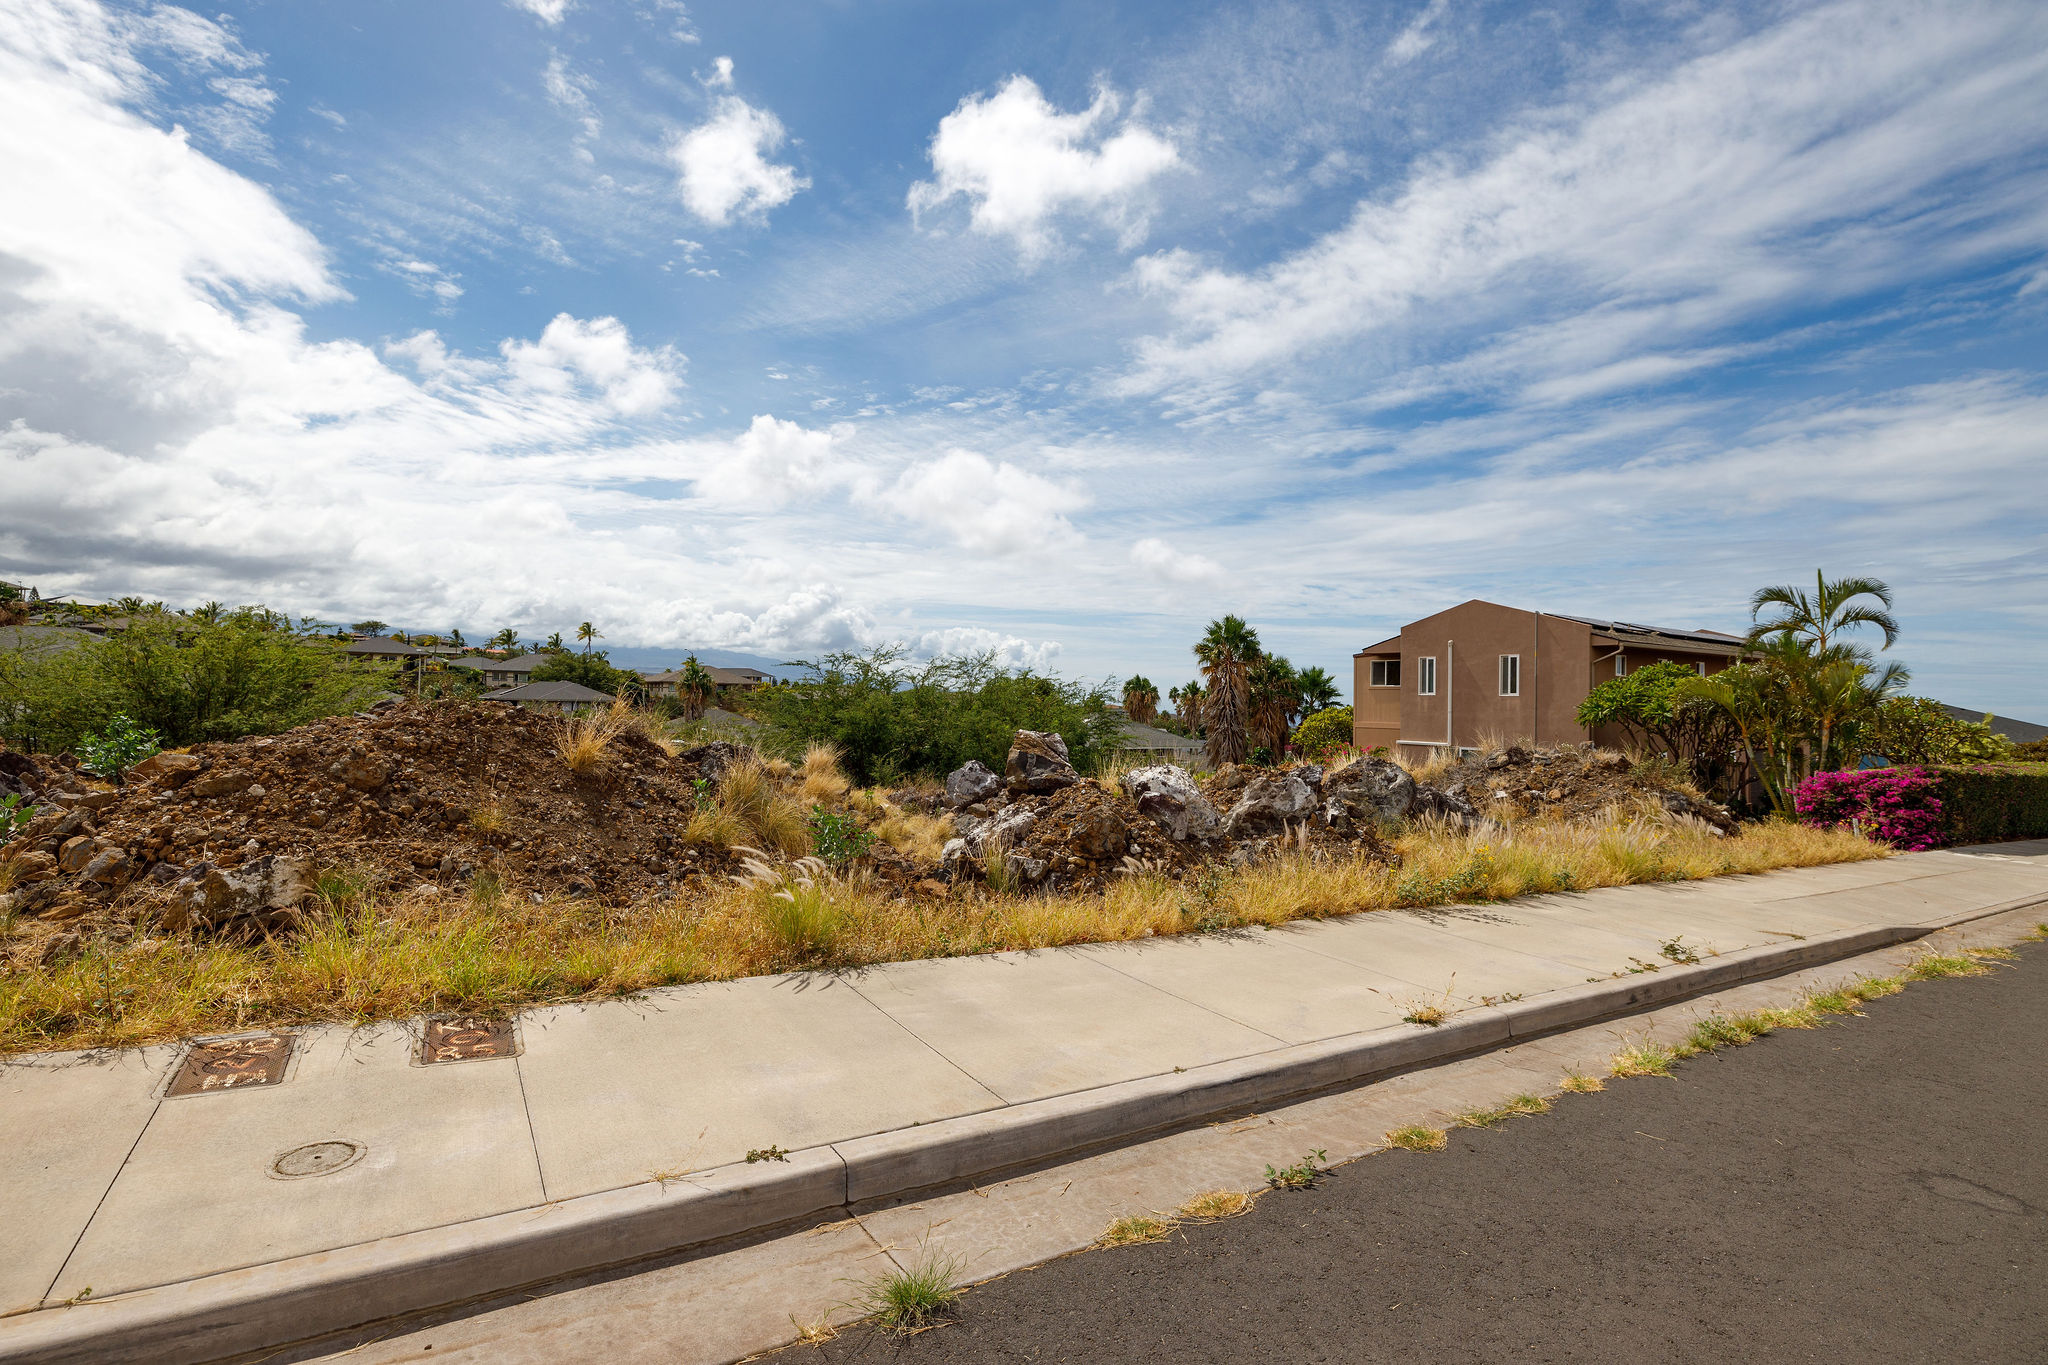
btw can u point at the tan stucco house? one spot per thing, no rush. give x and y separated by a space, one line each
1480 671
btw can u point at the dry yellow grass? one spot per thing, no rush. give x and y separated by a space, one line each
1135 1230
650 726
822 782
584 741
750 809
922 837
366 958
1207 1208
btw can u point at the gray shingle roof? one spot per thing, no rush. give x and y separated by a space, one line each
548 691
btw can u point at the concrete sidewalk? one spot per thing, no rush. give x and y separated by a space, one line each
115 1188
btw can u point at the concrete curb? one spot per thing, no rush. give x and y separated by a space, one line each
269 1306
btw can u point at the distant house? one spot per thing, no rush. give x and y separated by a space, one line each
40 639
1148 741
1481 671
383 649
566 697
723 680
511 672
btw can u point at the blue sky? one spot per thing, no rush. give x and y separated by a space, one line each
1054 329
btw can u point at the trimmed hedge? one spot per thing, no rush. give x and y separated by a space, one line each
1916 808
1986 803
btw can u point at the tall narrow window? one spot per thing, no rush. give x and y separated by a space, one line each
1386 672
1699 666
1425 676
1620 666
1511 675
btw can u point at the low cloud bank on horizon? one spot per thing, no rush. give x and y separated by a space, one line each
546 313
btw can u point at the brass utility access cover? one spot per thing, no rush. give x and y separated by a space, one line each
467 1040
231 1063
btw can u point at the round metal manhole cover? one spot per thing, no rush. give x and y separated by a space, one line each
317 1158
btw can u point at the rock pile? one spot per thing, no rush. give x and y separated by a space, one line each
230 836
1571 781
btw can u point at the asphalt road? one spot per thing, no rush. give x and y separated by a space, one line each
1874 1189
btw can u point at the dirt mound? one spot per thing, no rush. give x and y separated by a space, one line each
406 792
1572 781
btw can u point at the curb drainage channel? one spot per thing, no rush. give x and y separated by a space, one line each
267 1308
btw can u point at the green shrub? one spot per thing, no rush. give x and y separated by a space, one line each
115 750
890 721
593 670
188 678
838 838
1326 730
1909 730
1988 803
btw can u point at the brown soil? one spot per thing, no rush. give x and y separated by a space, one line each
407 794
1572 781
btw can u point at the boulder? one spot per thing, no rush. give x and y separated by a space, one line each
109 867
1367 789
267 890
77 851
1003 829
1167 796
363 772
228 781
971 783
712 761
168 770
1430 803
1038 763
1269 804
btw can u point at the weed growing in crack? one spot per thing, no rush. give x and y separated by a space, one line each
1207 1208
1937 965
1579 1084
910 1300
1417 1137
1502 1112
1300 1175
1644 1059
1678 950
1135 1230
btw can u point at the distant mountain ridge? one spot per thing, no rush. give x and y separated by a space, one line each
658 660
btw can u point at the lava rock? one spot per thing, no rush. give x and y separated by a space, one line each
1038 763
1368 789
971 784
267 890
1269 804
1167 796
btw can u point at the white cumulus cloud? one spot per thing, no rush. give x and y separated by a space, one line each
773 461
987 505
724 165
1162 561
549 12
1021 163
600 353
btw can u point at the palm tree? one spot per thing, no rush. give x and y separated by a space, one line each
1141 699
1226 652
1319 691
1275 695
1831 610
554 641
506 639
1187 707
589 635
455 638
695 687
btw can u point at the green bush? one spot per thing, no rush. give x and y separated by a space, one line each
115 750
1326 730
188 679
1908 730
892 721
1988 803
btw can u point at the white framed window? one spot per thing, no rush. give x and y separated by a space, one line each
1621 666
1425 676
1699 666
1386 672
1511 675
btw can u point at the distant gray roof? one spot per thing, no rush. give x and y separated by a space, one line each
37 639
1152 739
548 691
383 644
2018 731
525 663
